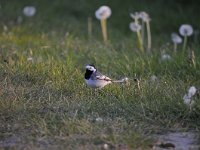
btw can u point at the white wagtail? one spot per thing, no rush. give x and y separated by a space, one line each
95 79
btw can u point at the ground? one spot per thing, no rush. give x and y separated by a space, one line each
44 102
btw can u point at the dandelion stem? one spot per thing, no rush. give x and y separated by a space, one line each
184 45
193 58
148 37
104 30
140 42
175 47
143 25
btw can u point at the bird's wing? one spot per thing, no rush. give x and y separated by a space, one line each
105 78
99 76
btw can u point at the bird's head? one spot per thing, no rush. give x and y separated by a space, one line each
90 68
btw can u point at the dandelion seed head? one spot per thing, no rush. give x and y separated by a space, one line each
166 57
144 16
186 99
19 19
125 79
192 91
153 78
105 146
176 38
186 30
99 119
103 12
5 28
135 27
135 16
30 59
29 11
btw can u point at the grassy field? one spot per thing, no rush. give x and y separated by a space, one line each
44 102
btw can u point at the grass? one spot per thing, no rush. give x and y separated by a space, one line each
44 102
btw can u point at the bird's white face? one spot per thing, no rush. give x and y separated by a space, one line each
91 68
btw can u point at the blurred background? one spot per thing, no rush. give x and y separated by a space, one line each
166 15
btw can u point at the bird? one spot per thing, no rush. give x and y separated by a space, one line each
95 79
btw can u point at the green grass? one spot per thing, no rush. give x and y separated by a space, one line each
45 104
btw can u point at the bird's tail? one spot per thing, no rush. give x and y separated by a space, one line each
117 81
120 81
